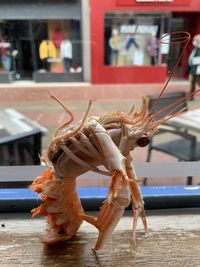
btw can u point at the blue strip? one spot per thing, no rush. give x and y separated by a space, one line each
100 192
162 191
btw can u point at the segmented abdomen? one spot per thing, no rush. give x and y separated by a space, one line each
61 205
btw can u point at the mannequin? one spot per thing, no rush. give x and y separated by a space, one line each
6 58
66 53
57 37
194 63
115 46
131 41
47 49
152 48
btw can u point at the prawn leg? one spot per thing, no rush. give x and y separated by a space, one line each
118 196
136 197
111 211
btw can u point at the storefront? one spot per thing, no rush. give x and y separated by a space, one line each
125 38
41 41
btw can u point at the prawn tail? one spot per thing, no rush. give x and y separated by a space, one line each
60 204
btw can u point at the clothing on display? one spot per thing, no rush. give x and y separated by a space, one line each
47 49
152 48
115 46
67 63
66 53
6 59
114 42
194 64
138 58
6 62
131 41
66 49
57 38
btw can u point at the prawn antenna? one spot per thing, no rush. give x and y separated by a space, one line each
179 37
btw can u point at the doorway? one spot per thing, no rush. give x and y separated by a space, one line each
177 24
26 68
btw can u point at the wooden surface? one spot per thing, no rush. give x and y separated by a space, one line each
173 240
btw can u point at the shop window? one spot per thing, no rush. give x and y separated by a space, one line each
38 46
132 39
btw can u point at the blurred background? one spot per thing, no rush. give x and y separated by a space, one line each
76 50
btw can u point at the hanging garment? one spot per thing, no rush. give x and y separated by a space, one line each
66 49
194 61
67 63
6 62
131 41
194 69
115 46
57 38
47 49
5 48
152 47
5 51
114 43
138 58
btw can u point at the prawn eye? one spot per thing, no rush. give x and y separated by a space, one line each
143 141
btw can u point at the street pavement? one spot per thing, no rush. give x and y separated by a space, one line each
33 101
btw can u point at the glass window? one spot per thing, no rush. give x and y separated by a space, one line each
40 46
132 39
47 48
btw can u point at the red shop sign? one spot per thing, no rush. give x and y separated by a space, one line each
137 2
